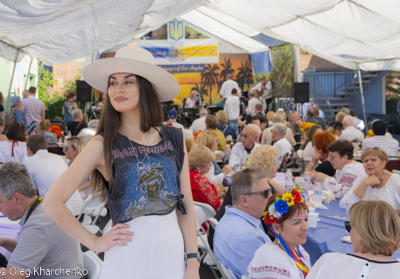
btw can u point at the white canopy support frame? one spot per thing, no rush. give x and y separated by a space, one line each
28 75
362 100
11 83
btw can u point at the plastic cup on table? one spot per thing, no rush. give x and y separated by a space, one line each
313 219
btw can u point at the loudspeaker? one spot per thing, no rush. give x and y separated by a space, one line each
83 91
301 92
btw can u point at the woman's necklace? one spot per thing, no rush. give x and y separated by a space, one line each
140 164
381 179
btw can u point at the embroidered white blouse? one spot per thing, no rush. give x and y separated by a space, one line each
389 193
272 262
343 179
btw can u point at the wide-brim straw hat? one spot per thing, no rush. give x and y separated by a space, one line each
132 60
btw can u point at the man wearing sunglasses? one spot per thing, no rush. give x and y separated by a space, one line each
240 233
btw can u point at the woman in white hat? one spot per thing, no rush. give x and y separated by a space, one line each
141 166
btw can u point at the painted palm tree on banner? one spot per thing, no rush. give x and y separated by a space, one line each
245 75
226 69
209 78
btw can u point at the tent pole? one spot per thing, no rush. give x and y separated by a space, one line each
362 100
27 75
40 74
11 82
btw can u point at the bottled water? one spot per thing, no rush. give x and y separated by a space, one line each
289 180
307 181
68 135
317 195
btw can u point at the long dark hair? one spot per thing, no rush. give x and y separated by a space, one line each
151 114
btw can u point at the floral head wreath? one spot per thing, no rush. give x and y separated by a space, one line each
281 206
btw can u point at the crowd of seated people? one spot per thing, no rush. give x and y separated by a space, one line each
238 182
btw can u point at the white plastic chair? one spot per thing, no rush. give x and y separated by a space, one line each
204 212
229 273
93 264
92 206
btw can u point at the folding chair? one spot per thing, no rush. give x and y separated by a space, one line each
93 264
205 212
93 206
229 273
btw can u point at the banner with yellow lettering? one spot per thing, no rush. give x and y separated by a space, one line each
195 51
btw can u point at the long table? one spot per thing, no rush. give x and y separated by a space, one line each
327 237
8 230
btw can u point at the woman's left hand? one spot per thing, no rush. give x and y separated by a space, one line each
318 176
192 269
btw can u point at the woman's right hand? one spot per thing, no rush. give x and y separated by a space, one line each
372 180
118 235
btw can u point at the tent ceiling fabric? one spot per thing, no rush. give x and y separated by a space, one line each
355 33
348 33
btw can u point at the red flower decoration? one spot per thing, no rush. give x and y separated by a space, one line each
297 196
56 129
269 219
196 134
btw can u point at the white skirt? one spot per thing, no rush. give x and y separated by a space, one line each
156 251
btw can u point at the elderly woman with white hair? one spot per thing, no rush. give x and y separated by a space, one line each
88 133
280 142
78 124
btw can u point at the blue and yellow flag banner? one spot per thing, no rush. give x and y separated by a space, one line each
199 51
176 31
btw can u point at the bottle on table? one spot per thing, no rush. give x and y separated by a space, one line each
317 194
307 181
289 184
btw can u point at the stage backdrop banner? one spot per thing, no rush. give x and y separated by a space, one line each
199 51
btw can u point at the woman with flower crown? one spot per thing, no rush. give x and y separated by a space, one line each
283 258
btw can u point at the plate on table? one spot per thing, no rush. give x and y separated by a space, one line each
346 239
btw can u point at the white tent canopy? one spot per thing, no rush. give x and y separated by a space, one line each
362 34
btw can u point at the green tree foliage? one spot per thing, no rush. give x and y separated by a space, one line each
283 65
393 85
45 85
54 106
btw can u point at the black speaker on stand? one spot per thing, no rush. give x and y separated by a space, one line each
83 91
301 92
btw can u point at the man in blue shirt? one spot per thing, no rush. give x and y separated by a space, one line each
240 233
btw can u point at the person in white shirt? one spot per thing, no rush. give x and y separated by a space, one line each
347 169
389 144
378 184
267 134
45 168
358 123
191 102
253 100
88 133
375 235
199 123
227 86
350 133
264 88
232 108
172 116
280 142
241 150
